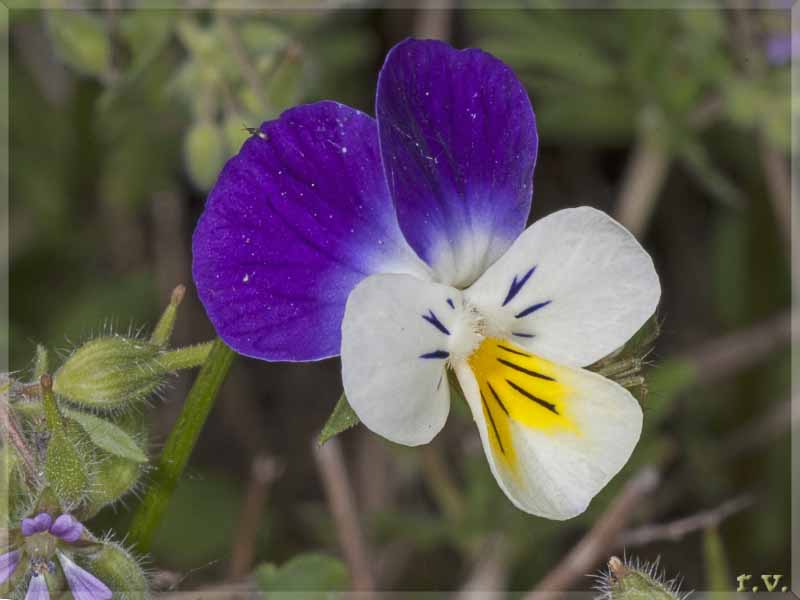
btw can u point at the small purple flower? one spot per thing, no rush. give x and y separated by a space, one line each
780 49
37 588
8 564
37 524
67 528
82 584
400 243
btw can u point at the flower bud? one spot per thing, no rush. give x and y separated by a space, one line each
110 372
637 581
120 571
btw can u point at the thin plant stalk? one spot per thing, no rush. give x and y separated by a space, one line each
180 444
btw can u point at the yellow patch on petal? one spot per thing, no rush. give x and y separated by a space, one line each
516 385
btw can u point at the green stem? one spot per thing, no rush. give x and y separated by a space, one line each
180 444
186 358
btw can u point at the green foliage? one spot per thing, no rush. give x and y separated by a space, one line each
199 523
317 576
80 40
108 436
718 573
342 418
204 152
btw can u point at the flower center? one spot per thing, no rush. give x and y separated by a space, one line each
41 544
468 333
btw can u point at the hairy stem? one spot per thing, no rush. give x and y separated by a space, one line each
180 444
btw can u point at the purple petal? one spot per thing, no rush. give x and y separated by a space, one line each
779 48
38 524
68 528
295 221
82 584
37 589
458 141
8 564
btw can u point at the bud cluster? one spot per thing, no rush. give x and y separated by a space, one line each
72 443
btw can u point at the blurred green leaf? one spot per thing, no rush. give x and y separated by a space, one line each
318 576
199 524
342 418
204 153
146 33
80 40
108 436
718 574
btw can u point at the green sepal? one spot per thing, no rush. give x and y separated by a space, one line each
166 324
120 571
112 479
47 502
65 469
342 418
108 436
318 576
42 362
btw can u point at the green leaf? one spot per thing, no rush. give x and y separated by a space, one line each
306 572
146 34
108 436
204 153
718 575
342 418
80 40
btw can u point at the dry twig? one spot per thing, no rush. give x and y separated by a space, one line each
595 545
263 473
339 492
677 530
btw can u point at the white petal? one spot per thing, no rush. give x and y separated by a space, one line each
396 337
574 287
554 435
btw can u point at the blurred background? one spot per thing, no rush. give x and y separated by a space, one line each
677 122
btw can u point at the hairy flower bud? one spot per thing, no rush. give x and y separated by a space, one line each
110 372
121 571
633 580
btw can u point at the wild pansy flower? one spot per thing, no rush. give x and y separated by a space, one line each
45 541
400 243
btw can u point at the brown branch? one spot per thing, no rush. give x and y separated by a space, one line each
741 349
644 177
490 572
11 435
595 545
776 171
434 20
756 432
339 492
677 530
240 55
263 473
